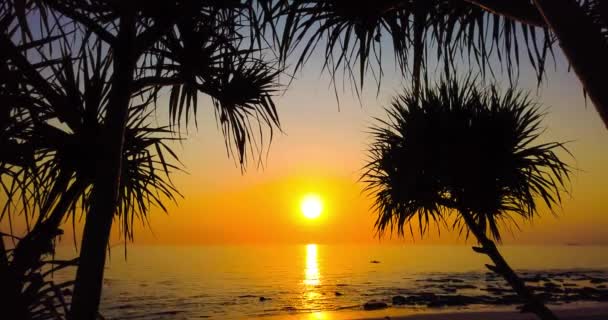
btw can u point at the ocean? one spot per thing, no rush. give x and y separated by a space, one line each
243 282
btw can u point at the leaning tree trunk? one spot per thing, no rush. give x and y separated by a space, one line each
12 307
39 241
488 247
89 276
28 253
584 46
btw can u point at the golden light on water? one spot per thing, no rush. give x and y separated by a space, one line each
311 206
318 316
311 272
312 279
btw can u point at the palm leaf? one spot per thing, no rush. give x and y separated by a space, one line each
460 147
453 31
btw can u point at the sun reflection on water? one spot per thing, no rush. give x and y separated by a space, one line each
311 272
318 316
311 296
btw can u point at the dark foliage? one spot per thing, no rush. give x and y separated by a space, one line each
459 147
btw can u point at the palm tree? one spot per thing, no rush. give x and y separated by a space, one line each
459 149
451 32
48 171
32 294
218 49
91 73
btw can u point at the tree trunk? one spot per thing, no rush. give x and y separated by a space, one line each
12 307
532 303
89 276
38 242
584 46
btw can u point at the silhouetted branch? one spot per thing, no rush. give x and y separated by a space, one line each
480 250
519 10
11 52
584 46
145 82
493 269
89 23
153 34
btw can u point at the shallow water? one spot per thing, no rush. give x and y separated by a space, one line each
158 282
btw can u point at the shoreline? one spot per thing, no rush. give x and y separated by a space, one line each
574 311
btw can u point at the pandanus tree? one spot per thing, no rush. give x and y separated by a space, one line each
491 36
90 74
194 48
467 157
26 293
53 133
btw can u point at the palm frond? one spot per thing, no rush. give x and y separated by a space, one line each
451 30
146 183
461 147
32 292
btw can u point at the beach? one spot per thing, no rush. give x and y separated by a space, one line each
327 282
303 160
581 311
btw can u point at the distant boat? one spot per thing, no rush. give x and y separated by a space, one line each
573 244
374 261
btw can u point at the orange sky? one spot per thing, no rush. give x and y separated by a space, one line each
322 151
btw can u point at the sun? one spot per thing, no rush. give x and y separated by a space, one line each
311 206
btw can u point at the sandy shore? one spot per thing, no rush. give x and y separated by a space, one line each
583 311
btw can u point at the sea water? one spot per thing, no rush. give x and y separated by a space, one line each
241 282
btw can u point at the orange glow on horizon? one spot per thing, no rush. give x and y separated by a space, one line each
223 205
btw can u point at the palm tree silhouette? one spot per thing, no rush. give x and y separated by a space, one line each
459 149
89 76
490 35
52 167
216 49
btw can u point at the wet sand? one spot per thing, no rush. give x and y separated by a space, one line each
583 311
588 313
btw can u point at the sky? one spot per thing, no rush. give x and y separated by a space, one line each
322 151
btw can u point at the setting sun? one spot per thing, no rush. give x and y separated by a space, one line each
311 206
304 159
